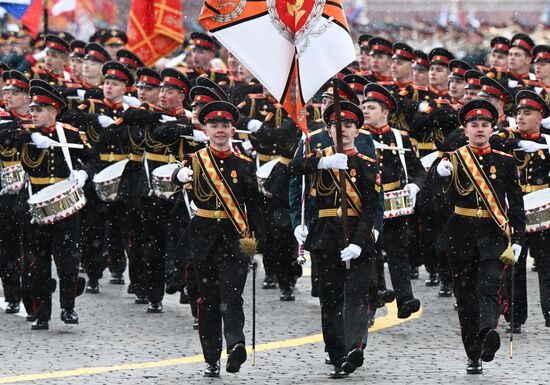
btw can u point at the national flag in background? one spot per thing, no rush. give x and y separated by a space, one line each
291 46
155 28
28 12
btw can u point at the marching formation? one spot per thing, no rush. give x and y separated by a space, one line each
182 174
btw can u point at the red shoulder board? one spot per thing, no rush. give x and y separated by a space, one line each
364 157
419 88
118 121
386 83
72 85
502 153
403 92
241 105
244 157
70 128
530 82
82 106
257 96
5 114
29 126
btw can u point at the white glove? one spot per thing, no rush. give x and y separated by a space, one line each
247 146
301 234
414 189
166 118
445 168
546 122
339 161
80 93
200 136
422 107
517 251
185 175
39 56
530 146
254 125
131 101
350 252
376 234
42 141
78 176
105 121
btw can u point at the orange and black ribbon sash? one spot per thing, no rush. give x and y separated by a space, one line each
220 187
352 192
483 186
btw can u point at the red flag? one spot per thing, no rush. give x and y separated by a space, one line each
292 46
155 28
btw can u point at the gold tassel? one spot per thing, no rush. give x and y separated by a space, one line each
415 95
278 117
248 246
316 113
507 256
252 112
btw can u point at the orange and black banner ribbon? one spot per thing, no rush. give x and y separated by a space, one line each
352 192
221 188
483 186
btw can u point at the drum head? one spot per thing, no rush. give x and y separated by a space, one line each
428 160
536 199
52 191
111 172
166 170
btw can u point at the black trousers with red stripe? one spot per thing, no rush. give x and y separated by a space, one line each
62 241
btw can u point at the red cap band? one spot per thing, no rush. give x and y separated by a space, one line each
380 47
118 74
203 99
523 44
502 46
79 50
543 55
380 97
459 71
356 86
205 43
474 82
494 91
114 40
404 53
130 62
218 114
531 103
57 46
150 80
97 55
441 58
478 112
344 115
422 61
46 100
18 83
176 82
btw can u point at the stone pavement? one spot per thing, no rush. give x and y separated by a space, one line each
117 342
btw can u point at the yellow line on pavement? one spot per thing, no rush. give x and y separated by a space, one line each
387 321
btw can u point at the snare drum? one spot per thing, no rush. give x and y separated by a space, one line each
13 179
537 210
265 170
397 204
162 181
428 160
56 202
106 181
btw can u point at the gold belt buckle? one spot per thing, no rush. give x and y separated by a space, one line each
111 157
171 158
528 188
479 213
217 215
52 180
339 212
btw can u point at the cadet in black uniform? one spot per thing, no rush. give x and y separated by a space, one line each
219 240
47 165
398 172
343 292
481 229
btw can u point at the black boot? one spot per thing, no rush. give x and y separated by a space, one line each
491 343
269 282
445 290
354 359
407 307
287 295
39 325
337 372
69 316
116 279
212 369
433 280
155 308
474 366
235 358
12 308
515 328
93 286
414 272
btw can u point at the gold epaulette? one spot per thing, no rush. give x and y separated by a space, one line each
241 105
118 121
257 96
29 126
502 153
364 157
67 126
403 92
386 82
364 131
404 133
530 82
320 120
243 157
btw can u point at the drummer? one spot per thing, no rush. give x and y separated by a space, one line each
533 176
46 165
398 172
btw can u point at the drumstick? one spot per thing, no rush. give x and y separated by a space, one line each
68 145
542 147
192 138
381 146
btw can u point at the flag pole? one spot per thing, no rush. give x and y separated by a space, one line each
341 173
45 11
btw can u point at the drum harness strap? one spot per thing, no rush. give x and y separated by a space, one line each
399 143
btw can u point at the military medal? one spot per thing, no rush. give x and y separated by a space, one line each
493 171
52 180
339 212
217 215
528 188
352 173
234 176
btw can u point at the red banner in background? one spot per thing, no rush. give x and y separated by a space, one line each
155 28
